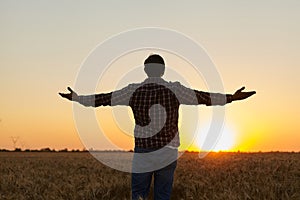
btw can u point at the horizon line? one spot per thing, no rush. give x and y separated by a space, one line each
131 150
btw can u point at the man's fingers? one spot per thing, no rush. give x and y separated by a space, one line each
240 90
70 96
248 94
70 90
252 93
62 95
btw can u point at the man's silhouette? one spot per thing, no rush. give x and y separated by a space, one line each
155 104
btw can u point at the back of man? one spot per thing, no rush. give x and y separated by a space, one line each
155 108
155 104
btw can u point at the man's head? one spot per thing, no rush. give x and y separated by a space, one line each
154 66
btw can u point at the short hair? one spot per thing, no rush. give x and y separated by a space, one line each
154 66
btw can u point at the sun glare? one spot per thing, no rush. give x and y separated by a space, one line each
225 141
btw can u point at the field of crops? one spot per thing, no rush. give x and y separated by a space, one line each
27 175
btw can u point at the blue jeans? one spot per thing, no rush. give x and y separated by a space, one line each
163 180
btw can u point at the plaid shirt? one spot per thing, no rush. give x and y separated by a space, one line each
155 105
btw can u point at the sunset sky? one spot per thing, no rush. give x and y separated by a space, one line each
252 43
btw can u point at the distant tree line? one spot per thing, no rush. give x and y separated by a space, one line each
43 150
47 149
60 150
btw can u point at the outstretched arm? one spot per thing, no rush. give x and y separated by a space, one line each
194 97
88 100
221 99
118 97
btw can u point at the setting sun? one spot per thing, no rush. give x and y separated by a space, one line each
225 142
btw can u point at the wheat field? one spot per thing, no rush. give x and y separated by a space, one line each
69 175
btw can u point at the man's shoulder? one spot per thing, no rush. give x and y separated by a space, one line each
153 83
160 81
133 86
176 83
173 84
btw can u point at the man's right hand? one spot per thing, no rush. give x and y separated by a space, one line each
239 95
72 96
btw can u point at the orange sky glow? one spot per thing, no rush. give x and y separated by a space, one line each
252 44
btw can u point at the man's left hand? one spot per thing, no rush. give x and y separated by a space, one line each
72 96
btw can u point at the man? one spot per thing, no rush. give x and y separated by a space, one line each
155 103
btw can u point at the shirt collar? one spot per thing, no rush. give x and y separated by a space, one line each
154 80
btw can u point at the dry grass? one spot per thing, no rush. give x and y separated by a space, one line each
217 176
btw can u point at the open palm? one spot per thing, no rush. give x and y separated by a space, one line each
239 95
72 96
